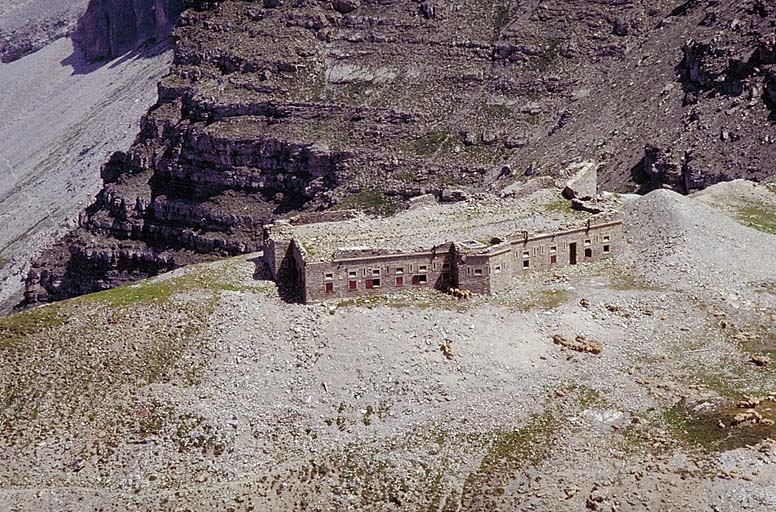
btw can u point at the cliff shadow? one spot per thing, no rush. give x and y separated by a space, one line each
123 30
82 66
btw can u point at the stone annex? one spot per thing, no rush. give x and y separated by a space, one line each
479 245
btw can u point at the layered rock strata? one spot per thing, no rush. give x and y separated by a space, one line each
283 106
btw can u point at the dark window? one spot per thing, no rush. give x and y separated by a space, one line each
420 279
329 287
606 249
373 283
353 285
477 271
554 259
445 276
526 264
399 281
588 253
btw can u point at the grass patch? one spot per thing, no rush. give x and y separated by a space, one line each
508 452
758 217
142 292
625 281
589 397
546 299
699 427
549 57
15 328
431 142
502 18
223 277
559 205
371 201
497 110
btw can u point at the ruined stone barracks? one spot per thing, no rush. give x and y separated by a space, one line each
481 245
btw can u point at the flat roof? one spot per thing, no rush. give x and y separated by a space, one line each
481 222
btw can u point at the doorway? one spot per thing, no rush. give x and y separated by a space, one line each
573 253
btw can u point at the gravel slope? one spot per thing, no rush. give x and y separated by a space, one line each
202 390
685 242
61 119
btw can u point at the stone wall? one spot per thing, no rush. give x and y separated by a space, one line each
357 273
495 271
378 275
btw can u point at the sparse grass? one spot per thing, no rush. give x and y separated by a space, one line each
497 111
545 300
433 141
761 218
15 328
700 428
764 287
589 397
502 18
550 57
559 205
371 201
422 299
622 280
159 291
405 176
508 452
142 292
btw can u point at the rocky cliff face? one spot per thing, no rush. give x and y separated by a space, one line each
110 28
281 106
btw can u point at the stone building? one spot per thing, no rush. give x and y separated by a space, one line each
321 267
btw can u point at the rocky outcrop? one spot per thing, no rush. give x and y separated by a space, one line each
110 28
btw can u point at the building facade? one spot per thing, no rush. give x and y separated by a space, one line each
482 267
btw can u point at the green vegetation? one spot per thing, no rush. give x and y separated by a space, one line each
15 328
158 291
545 299
142 292
758 217
699 427
625 281
559 205
433 141
497 110
501 21
371 201
549 57
507 453
589 397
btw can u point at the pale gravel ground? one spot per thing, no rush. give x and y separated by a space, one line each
57 128
275 373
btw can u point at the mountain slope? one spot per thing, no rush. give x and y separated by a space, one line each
202 389
278 107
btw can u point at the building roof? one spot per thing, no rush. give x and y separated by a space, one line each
476 224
